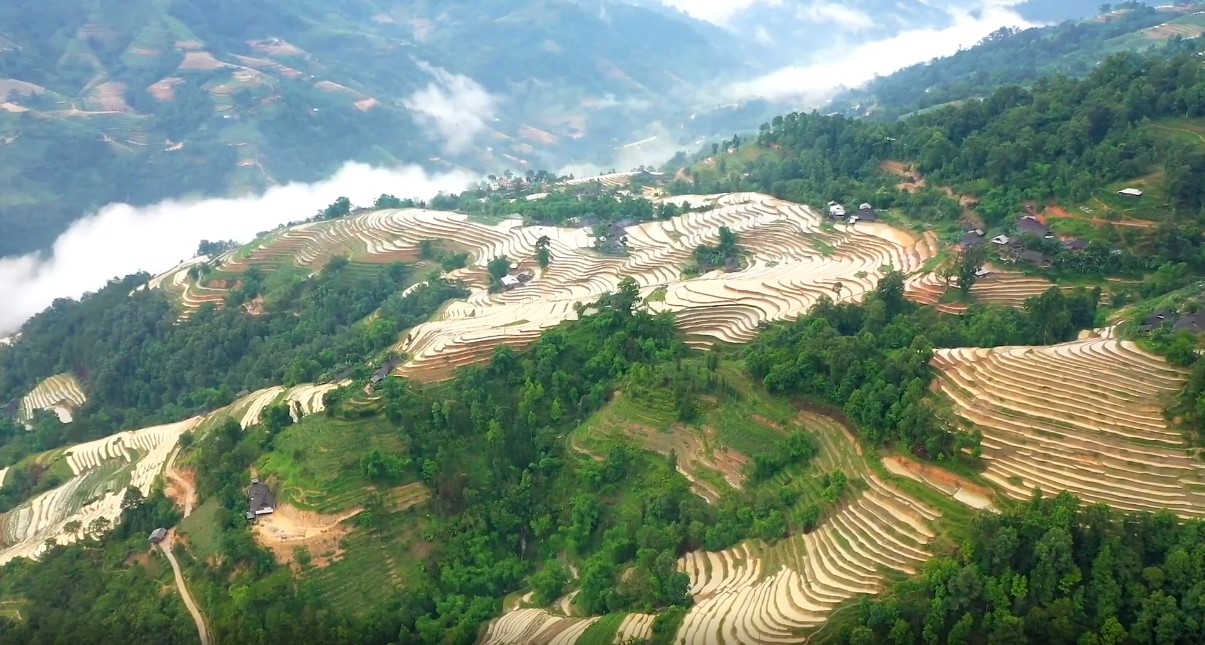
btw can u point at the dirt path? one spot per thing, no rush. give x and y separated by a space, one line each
202 630
914 181
186 487
1058 212
190 496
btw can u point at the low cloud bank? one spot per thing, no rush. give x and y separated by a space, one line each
120 239
811 84
455 107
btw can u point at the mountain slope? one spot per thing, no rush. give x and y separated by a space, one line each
151 99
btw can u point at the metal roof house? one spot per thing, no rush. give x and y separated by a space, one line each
262 502
1130 192
158 535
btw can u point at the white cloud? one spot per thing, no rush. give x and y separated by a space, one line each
840 15
813 83
120 239
457 107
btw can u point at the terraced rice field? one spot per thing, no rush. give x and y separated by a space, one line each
778 593
791 263
62 393
101 471
1005 288
1084 416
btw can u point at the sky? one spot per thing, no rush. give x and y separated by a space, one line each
120 239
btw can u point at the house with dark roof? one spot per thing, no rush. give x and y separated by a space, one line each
1156 319
1031 225
158 535
866 213
1075 244
1194 322
262 502
1035 258
971 238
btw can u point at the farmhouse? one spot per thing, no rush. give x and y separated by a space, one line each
1000 239
835 210
510 282
262 502
1130 192
1075 244
866 213
1034 257
971 238
158 535
1194 322
1031 225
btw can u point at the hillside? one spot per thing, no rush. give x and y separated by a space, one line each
167 98
921 380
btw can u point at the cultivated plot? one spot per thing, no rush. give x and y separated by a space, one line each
1084 416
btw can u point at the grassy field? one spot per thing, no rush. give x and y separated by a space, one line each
602 632
201 530
316 463
369 564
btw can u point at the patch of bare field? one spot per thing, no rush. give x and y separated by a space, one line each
189 45
276 47
165 89
142 51
289 528
201 60
1084 416
367 104
14 108
943 480
108 96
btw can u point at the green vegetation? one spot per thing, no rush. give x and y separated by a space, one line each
872 359
724 254
1050 571
143 367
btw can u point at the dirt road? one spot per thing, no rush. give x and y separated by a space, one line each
166 546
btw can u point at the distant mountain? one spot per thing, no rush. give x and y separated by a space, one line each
142 100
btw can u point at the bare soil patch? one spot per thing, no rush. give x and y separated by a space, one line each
142 51
109 96
288 528
201 60
943 480
367 104
276 47
189 45
165 89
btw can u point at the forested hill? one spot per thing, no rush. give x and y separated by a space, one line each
1061 141
144 100
1013 56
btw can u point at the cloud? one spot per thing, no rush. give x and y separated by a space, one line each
845 17
457 107
120 239
813 83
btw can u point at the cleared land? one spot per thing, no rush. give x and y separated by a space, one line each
62 394
1084 416
1005 288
